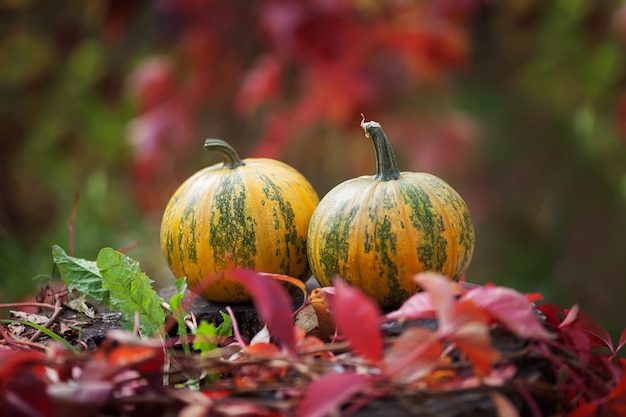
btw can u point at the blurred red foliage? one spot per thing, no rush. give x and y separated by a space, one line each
288 65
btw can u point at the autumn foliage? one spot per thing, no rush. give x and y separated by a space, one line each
310 63
359 363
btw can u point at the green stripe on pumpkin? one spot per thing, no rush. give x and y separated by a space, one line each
385 242
232 228
459 217
284 219
335 247
425 217
188 220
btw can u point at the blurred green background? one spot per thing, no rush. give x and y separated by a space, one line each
519 105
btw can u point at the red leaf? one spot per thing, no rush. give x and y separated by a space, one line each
572 316
216 394
123 349
533 297
464 322
273 304
442 296
474 340
262 349
554 314
577 340
413 355
295 282
612 405
511 309
27 395
153 83
466 311
599 335
22 386
275 135
418 306
618 395
324 395
13 362
357 317
261 83
142 358
622 341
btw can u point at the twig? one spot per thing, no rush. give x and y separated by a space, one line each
28 304
129 247
10 340
58 309
233 319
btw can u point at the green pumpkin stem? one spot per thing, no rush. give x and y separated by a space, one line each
227 153
386 165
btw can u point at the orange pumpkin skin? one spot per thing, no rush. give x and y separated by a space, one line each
251 213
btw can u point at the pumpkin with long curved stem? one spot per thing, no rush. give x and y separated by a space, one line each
377 231
251 213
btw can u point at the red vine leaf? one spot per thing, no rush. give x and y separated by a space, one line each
571 317
273 304
442 296
413 355
357 317
533 297
462 322
553 313
622 341
474 340
259 84
22 387
598 334
262 349
324 395
275 136
579 341
617 397
15 361
418 306
612 405
510 308
295 282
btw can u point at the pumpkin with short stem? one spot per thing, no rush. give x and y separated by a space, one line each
376 232
251 213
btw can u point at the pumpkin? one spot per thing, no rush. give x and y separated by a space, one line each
251 213
376 231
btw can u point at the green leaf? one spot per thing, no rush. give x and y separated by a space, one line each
181 287
80 274
131 290
179 313
225 329
206 336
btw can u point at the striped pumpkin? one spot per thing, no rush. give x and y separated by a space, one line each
252 213
375 232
